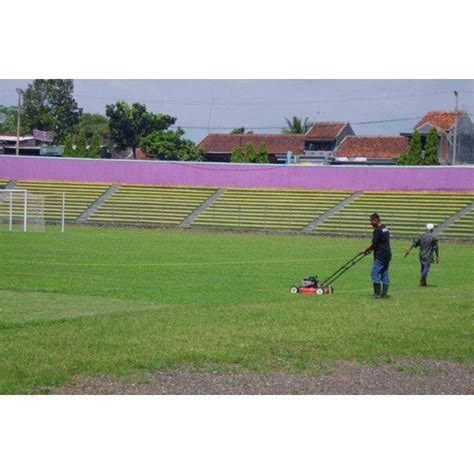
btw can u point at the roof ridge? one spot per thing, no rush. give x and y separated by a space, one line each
375 136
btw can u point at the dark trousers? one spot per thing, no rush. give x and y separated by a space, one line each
425 269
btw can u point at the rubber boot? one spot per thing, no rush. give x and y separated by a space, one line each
385 291
423 281
377 290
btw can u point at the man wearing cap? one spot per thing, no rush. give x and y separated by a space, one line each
382 256
428 243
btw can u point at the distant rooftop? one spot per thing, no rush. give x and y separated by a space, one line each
325 130
440 119
372 146
276 143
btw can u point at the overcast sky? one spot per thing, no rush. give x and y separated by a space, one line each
263 104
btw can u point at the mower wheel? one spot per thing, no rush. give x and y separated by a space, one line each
294 290
319 291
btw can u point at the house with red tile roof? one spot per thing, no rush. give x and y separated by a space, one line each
29 144
372 148
455 129
323 138
319 142
219 146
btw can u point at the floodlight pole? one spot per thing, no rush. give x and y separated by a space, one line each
19 91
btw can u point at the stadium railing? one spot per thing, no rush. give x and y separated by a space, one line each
79 196
461 229
150 205
268 209
406 214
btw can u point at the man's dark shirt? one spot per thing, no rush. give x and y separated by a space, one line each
428 243
381 244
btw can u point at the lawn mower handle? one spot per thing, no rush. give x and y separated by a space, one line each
343 269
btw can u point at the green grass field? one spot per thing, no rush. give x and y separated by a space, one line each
124 301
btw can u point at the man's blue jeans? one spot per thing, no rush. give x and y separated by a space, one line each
380 272
425 268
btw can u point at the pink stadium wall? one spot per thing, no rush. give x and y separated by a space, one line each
231 175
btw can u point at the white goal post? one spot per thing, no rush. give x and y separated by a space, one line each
20 206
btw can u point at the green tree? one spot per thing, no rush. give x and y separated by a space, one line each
431 148
250 153
129 125
49 104
415 155
94 150
237 131
68 146
297 125
237 155
8 119
93 123
262 153
169 145
81 146
403 159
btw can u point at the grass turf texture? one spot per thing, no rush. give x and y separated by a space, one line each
123 301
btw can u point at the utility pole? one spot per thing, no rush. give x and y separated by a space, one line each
19 92
455 128
210 116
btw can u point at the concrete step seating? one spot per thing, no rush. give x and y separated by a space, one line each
268 209
79 196
150 205
405 213
461 229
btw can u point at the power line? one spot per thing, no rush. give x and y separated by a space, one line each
279 127
260 102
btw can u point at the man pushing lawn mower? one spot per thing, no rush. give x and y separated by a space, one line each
382 256
428 243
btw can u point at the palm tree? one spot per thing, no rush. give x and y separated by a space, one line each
297 125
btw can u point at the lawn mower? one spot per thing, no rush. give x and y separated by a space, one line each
311 284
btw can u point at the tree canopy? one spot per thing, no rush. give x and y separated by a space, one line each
130 124
297 125
169 145
68 146
49 104
89 124
262 153
414 156
237 155
237 131
431 148
8 116
81 146
94 150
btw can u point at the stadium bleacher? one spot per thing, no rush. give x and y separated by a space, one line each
405 213
79 196
462 228
153 205
268 209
